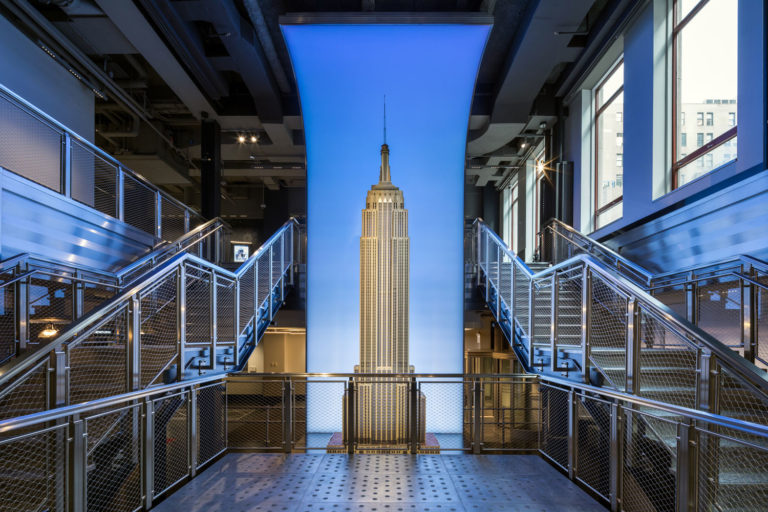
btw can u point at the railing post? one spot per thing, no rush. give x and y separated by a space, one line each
633 347
616 460
487 278
181 327
282 267
57 392
553 328
573 428
499 261
158 215
351 422
413 415
77 465
217 254
287 415
691 300
66 165
271 266
477 416
511 305
749 318
148 452
194 432
120 194
186 221
687 462
531 321
293 256
78 295
586 314
707 381
478 252
214 331
22 309
134 343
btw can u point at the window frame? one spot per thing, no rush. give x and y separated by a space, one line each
599 110
677 28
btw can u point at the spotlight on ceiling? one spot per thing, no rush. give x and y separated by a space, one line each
241 139
523 144
49 331
254 139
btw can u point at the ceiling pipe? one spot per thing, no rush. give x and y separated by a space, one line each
25 10
262 32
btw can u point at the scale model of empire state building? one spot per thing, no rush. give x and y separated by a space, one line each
382 403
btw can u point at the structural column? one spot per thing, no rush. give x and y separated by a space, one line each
210 171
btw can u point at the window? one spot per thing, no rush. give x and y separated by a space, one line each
609 126
704 53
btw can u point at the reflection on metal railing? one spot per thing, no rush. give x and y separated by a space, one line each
125 452
726 299
41 149
177 321
583 318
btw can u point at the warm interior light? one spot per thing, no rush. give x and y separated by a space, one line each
254 139
241 138
522 145
49 331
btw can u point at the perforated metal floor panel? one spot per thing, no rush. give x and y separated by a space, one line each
379 483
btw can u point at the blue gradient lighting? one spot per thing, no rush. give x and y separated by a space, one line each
427 73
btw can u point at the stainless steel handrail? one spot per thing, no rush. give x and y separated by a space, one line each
751 374
619 260
89 322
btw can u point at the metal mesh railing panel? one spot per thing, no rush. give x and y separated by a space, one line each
439 414
50 305
7 318
510 415
246 297
674 297
31 468
21 131
650 461
263 281
319 414
95 295
667 364
593 443
225 310
255 414
171 441
569 308
172 220
211 422
719 310
731 473
521 296
94 180
739 401
139 201
505 280
608 332
113 473
198 289
27 394
277 251
159 334
542 311
761 310
554 424
98 363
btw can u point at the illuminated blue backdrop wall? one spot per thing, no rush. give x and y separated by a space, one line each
427 73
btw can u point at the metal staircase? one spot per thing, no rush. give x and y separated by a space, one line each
591 318
173 315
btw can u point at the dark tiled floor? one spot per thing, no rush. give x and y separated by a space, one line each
379 483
